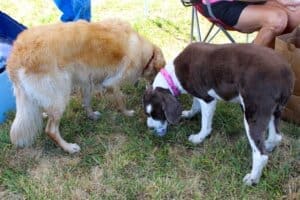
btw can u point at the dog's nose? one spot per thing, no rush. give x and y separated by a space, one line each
160 132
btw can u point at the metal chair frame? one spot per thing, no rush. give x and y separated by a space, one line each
210 35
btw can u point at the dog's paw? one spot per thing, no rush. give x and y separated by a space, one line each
249 180
94 115
270 145
195 139
72 148
187 114
129 113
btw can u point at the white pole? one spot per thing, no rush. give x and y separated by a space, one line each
146 10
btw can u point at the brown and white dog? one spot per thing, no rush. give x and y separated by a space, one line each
256 77
47 61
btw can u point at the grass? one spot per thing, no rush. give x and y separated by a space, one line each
120 158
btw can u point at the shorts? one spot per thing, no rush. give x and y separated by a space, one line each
228 11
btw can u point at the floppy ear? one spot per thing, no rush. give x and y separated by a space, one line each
159 60
172 108
156 63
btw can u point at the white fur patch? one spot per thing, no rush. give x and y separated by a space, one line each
47 90
213 94
207 112
273 138
27 122
149 109
117 76
133 41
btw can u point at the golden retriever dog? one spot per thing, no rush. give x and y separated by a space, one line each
46 62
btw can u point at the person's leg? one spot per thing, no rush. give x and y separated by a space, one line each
294 19
65 6
82 9
269 20
293 15
74 10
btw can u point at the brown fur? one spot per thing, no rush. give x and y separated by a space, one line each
47 61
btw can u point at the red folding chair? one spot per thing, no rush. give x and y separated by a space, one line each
197 6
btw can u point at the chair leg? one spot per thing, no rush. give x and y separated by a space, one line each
227 34
197 24
195 19
192 26
220 28
208 33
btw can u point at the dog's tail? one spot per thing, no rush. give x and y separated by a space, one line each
28 120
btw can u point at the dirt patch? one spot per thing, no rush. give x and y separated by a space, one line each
22 156
51 166
292 189
53 176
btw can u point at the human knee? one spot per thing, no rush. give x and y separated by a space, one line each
277 21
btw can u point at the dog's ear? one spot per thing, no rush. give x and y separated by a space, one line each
159 60
172 108
156 62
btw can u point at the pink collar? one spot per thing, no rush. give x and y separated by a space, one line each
170 82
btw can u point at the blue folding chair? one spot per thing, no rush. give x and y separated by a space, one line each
9 29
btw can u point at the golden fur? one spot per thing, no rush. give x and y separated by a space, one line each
47 61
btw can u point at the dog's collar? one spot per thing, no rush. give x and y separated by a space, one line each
148 63
168 78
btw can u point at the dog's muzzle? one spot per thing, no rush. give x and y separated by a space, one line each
159 128
160 132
